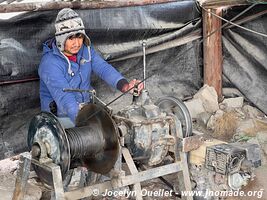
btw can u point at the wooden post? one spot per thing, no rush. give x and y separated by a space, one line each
212 50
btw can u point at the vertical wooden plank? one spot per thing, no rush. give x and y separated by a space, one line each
212 50
133 170
58 192
184 182
22 176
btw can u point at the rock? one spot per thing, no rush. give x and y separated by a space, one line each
231 92
239 113
262 138
247 127
251 127
254 140
222 106
195 107
9 165
252 112
264 148
7 186
261 125
209 98
234 102
212 121
203 118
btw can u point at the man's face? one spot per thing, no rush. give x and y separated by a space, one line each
73 44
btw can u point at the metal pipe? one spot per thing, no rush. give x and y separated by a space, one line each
144 63
164 46
9 82
223 3
56 5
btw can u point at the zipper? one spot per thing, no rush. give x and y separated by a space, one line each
80 82
70 72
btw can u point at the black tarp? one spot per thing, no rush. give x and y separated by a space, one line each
116 33
171 32
245 56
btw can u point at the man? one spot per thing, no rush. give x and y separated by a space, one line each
68 62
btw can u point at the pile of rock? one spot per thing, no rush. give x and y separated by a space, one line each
231 120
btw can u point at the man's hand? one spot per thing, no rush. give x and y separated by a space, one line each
131 84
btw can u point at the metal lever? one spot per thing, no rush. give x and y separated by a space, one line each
78 90
92 92
144 63
93 95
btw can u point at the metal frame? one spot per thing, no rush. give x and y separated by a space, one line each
118 177
24 172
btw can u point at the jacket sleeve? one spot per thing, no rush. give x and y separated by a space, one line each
52 74
104 70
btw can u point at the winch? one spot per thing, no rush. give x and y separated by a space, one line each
144 133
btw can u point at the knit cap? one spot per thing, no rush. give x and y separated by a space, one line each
68 23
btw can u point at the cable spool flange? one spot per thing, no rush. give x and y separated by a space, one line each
93 143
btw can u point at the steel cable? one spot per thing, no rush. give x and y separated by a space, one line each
80 138
230 22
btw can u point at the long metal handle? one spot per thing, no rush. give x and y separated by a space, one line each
144 63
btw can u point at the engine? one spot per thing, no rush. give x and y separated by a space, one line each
146 130
234 163
227 167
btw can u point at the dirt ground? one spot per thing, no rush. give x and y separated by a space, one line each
256 186
36 191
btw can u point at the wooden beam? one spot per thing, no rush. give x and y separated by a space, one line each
10 1
212 50
223 3
40 6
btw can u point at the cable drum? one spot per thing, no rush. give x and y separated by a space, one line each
93 143
85 141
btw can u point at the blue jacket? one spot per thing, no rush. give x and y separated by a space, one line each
56 73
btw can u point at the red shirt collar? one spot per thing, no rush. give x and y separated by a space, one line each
72 58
